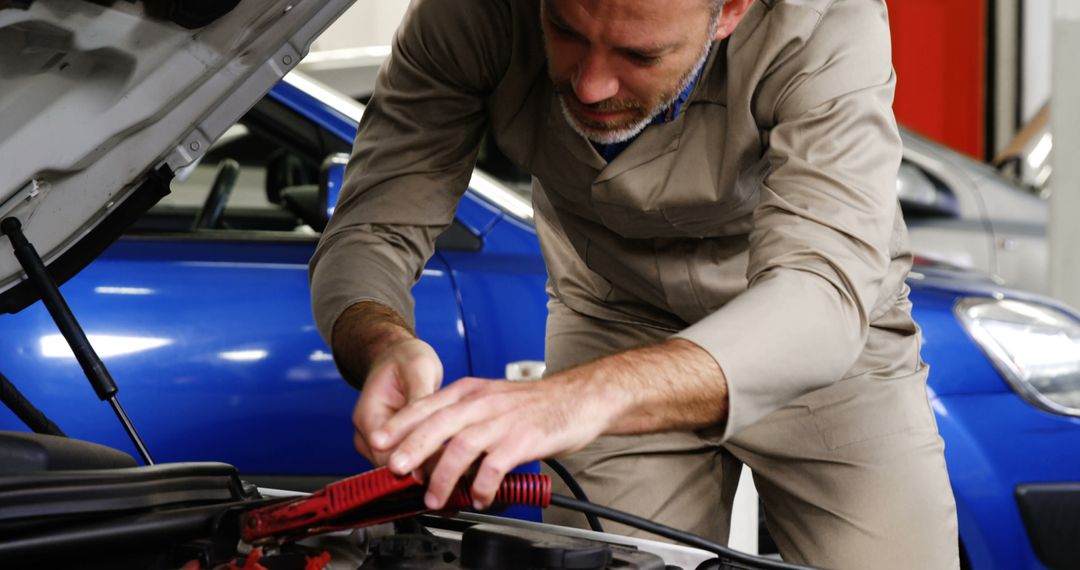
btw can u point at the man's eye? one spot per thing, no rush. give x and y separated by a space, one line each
643 59
566 32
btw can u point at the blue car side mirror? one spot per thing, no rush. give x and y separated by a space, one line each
331 178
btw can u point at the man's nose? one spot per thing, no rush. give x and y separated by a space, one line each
595 80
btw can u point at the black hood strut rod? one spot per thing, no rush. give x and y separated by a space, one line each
58 308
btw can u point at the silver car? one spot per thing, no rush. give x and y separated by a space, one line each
964 213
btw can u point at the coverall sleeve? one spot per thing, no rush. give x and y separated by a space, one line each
412 159
819 248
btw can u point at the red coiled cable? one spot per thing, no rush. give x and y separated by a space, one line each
527 489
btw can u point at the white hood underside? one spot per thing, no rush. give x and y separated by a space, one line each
94 97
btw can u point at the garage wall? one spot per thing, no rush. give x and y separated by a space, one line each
367 23
1038 26
939 52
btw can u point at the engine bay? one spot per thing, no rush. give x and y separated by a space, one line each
194 516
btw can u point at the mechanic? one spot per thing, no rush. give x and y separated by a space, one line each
714 194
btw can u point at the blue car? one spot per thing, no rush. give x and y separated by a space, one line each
201 312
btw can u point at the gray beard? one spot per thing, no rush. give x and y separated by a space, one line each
628 132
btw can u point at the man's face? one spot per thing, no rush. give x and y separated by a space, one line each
617 63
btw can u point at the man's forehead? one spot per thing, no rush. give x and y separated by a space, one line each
633 22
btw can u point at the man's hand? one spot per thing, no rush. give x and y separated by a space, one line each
499 424
378 353
402 373
672 385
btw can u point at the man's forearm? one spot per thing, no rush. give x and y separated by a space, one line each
673 385
361 333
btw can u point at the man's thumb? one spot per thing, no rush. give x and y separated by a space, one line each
423 377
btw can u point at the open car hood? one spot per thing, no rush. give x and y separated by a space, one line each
101 102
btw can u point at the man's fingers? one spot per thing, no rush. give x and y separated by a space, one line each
405 372
427 437
495 425
422 402
381 397
362 446
494 444
457 457
421 414
504 456
409 377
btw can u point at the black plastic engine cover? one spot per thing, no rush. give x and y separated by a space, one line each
64 494
411 552
22 453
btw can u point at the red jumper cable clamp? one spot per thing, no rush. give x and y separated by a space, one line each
375 497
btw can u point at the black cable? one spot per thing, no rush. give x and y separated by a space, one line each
30 415
727 555
575 488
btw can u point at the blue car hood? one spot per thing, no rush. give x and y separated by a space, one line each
958 365
965 283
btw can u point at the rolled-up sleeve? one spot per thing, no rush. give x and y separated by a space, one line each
412 159
819 248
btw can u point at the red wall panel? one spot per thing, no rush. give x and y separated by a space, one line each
939 52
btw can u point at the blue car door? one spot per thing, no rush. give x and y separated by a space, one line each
206 326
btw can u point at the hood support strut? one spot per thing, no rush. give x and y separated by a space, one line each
58 308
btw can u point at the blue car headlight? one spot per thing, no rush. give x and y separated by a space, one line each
1035 347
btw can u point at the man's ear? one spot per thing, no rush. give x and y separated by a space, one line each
730 15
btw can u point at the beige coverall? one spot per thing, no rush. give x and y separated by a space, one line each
761 224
